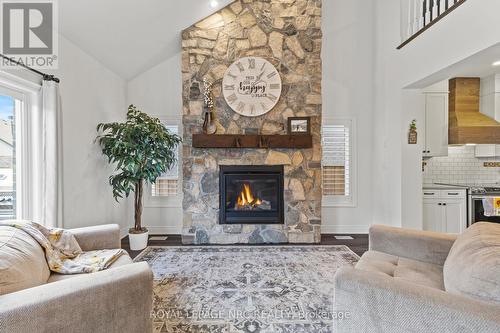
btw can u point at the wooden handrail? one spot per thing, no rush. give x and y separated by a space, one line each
431 14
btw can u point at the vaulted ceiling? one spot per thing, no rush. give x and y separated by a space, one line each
131 36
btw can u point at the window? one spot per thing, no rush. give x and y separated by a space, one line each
167 184
10 159
22 160
338 162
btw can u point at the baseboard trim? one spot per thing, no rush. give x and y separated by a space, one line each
325 229
168 230
155 230
344 229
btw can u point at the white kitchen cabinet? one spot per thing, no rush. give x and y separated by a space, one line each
455 216
433 215
445 211
436 125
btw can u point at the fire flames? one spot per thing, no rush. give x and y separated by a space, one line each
246 198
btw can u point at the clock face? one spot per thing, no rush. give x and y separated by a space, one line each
251 86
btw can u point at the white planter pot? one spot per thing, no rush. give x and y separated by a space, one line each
138 241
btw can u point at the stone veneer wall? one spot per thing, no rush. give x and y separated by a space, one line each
288 34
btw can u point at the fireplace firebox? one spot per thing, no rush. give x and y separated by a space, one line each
251 195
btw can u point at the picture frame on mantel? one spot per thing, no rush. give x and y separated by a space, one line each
299 126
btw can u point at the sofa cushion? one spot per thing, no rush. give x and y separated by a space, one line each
22 261
122 260
412 271
473 265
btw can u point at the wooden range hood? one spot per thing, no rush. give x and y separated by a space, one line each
466 124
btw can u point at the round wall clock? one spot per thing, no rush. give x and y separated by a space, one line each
251 86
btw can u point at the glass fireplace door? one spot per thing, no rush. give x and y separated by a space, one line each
251 197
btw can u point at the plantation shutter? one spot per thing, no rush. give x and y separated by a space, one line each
167 183
336 162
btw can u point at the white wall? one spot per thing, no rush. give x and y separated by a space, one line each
395 169
348 92
414 102
158 92
364 76
490 96
90 94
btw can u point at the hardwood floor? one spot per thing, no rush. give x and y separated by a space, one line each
359 243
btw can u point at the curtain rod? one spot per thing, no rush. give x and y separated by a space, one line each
46 77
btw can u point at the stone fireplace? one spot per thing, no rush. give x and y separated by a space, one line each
288 35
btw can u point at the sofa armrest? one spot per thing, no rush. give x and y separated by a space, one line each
98 237
378 303
426 246
117 300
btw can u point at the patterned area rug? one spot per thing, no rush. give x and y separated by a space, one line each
250 289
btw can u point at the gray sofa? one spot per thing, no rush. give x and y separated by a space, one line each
116 300
417 281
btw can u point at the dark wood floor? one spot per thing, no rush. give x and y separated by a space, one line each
359 243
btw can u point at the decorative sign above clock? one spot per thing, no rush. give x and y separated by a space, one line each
251 86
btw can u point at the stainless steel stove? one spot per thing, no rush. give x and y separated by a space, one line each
478 196
493 189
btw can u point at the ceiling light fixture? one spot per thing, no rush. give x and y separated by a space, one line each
496 63
214 3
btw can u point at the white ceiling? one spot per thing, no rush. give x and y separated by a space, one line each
477 65
130 36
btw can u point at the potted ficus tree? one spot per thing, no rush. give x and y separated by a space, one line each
142 149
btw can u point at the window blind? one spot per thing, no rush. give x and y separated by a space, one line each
336 162
164 187
167 183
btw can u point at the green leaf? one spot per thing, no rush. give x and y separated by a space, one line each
140 148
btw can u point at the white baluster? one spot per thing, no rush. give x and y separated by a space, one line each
435 10
403 29
419 14
411 18
428 12
407 19
402 20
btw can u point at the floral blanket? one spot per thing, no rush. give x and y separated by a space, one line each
63 254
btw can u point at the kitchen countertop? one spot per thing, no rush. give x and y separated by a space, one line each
443 187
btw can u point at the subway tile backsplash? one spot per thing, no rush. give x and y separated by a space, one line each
460 167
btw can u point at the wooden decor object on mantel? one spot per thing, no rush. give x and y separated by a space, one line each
252 141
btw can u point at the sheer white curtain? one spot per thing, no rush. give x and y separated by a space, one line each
50 157
40 147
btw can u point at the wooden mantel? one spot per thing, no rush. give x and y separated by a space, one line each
252 141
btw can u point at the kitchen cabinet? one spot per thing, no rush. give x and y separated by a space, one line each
488 151
455 219
436 125
445 210
433 215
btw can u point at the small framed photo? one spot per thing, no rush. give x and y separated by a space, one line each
299 125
